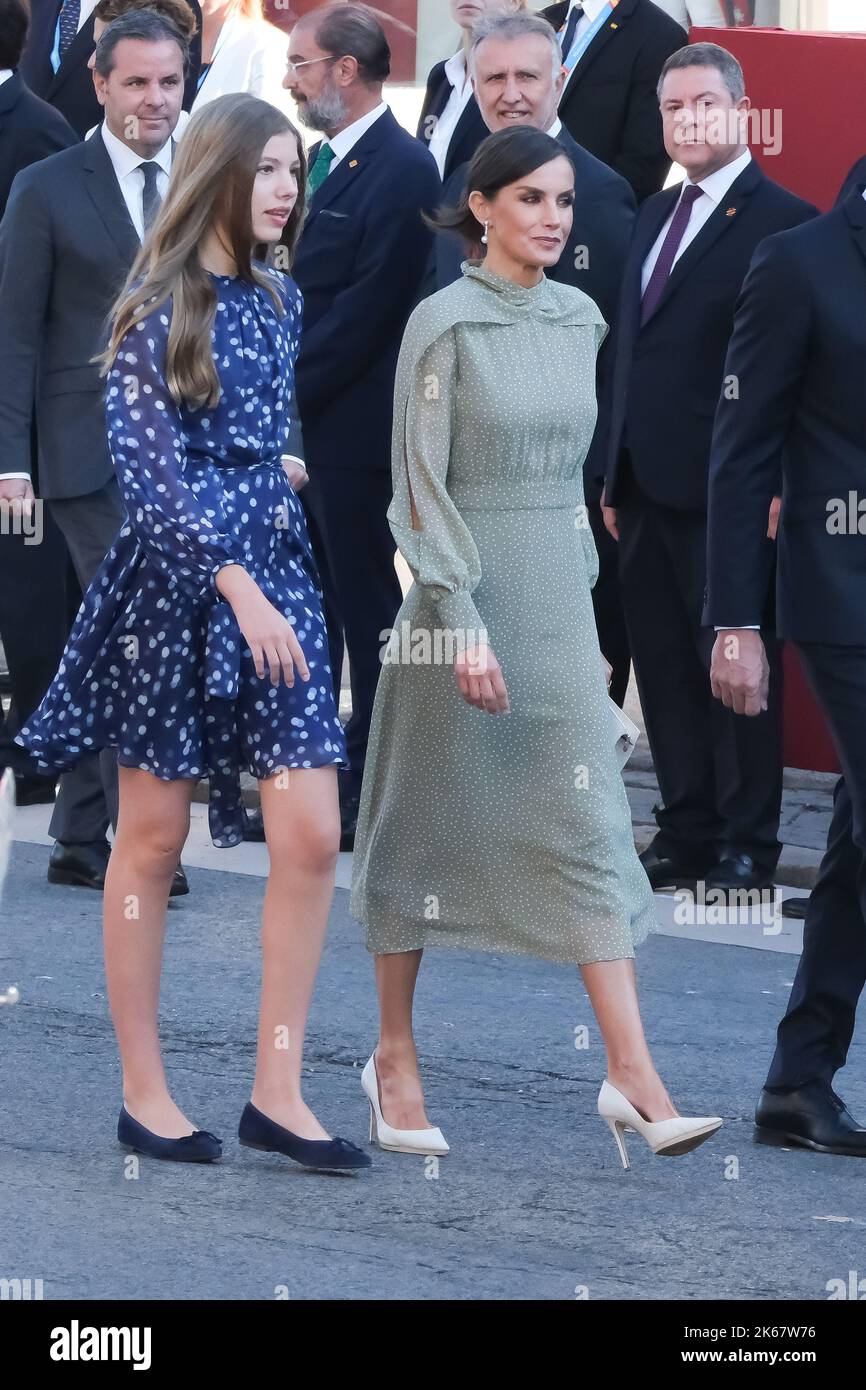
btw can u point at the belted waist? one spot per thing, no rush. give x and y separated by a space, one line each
539 495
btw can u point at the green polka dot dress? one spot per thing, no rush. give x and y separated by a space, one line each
497 832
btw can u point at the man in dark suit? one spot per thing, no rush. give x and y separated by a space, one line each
55 60
517 81
359 262
72 229
855 181
799 352
720 778
30 129
450 123
613 55
32 635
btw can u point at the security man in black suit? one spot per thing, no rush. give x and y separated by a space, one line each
359 262
615 54
513 61
55 60
33 633
799 352
720 778
73 226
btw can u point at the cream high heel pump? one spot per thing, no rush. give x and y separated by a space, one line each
403 1141
665 1137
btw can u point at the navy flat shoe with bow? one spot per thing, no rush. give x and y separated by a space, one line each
198 1147
256 1131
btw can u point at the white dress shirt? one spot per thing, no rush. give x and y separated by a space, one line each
715 188
446 123
250 56
131 180
5 74
591 11
554 129
131 177
341 144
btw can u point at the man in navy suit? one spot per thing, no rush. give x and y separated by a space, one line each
720 778
799 351
359 262
518 80
59 49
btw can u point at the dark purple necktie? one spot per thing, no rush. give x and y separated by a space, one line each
670 245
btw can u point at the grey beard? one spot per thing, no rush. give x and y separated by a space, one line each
325 112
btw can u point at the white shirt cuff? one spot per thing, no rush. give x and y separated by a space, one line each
25 476
743 627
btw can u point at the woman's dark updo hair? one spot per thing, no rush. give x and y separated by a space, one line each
500 160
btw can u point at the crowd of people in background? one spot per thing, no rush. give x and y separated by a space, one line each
659 294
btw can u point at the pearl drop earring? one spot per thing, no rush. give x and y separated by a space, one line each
484 235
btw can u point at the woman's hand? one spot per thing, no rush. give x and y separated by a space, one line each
295 472
608 670
480 679
269 636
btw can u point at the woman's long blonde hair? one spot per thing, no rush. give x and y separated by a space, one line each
212 176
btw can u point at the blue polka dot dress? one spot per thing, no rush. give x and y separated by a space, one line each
156 665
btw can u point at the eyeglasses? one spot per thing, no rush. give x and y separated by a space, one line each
296 67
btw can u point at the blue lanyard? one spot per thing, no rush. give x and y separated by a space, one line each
581 44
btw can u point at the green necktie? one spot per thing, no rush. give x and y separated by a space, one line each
321 166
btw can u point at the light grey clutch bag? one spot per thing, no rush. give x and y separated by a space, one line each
624 733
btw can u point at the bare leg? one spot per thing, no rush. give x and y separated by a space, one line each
612 989
152 827
400 1092
302 826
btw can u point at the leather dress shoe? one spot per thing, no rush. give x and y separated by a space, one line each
82 865
257 1131
795 907
254 826
179 885
811 1116
665 872
199 1147
737 871
32 790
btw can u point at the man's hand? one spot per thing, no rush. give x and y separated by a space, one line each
17 495
295 472
740 672
608 516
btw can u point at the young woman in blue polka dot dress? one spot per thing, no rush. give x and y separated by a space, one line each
200 647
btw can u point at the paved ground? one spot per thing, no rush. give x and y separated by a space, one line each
532 1202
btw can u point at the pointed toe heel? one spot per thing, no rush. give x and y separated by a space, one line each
199 1147
430 1142
666 1138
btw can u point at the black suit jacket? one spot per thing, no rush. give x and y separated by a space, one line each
667 375
609 102
360 258
66 245
30 130
855 181
469 131
799 352
593 260
71 89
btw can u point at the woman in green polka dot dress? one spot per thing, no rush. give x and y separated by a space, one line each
493 814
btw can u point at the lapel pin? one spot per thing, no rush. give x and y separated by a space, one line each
731 212
353 163
614 26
